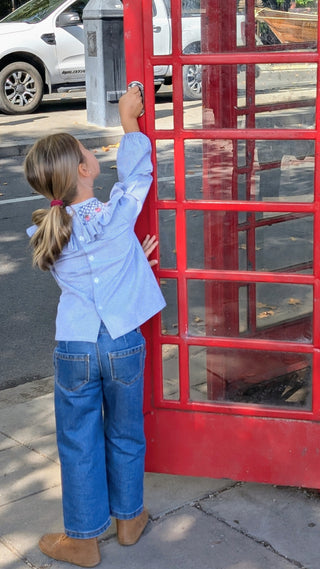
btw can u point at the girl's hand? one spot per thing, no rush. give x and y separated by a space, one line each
130 107
148 245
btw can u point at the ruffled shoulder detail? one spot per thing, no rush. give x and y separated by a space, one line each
91 216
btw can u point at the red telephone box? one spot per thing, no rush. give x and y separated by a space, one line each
232 378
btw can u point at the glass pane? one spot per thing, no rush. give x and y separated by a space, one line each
165 170
284 23
253 170
167 232
273 311
202 20
170 371
169 315
162 42
229 240
164 105
290 25
250 376
283 245
276 95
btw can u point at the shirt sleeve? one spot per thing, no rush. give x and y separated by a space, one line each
134 172
31 230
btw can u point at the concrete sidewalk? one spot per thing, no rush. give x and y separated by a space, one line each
195 522
56 113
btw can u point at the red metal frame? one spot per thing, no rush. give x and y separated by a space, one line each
213 438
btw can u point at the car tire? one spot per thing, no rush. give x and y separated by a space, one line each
192 82
21 88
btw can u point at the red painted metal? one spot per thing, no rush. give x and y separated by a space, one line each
221 438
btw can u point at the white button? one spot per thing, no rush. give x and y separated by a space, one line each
91 257
96 280
81 238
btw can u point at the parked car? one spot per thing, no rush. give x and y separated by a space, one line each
42 51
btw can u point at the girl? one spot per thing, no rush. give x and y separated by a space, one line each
107 291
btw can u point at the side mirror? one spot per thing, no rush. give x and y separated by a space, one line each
68 19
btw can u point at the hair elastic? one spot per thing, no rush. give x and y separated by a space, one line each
56 202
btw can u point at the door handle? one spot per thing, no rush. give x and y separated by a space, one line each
141 87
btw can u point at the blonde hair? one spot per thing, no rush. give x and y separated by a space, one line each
51 168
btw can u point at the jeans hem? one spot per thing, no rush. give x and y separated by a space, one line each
130 516
88 534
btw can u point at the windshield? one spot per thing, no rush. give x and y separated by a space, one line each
33 11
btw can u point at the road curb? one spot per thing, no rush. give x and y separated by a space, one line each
20 148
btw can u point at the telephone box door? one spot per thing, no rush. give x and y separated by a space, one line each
232 111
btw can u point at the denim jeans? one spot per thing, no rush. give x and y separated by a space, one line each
100 435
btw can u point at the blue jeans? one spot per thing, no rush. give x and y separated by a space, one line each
100 435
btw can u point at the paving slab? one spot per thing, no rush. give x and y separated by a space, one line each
191 539
56 114
24 472
30 420
46 446
9 560
286 518
25 392
24 521
164 493
6 442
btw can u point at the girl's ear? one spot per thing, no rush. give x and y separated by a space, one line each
83 170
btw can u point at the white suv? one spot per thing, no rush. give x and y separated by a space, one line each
42 50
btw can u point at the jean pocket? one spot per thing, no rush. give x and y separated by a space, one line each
127 365
71 370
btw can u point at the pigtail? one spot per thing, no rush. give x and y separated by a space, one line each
51 168
53 233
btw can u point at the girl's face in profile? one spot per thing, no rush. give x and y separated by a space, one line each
91 161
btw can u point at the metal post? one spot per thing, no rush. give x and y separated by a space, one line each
105 62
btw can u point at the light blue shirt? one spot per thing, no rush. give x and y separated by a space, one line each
103 272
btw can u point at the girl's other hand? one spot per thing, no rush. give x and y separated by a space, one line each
148 245
130 107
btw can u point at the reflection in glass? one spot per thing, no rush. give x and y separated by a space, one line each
170 372
230 240
253 170
273 311
163 108
283 244
169 315
250 376
268 95
161 15
165 170
290 26
283 22
167 234
202 20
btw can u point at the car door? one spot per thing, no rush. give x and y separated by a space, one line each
161 33
70 45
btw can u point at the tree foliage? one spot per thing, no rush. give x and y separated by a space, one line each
6 6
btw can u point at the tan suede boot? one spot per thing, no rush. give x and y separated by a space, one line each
129 531
83 552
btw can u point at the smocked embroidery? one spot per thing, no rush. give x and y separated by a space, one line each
89 210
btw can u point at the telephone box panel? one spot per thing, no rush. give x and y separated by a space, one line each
232 382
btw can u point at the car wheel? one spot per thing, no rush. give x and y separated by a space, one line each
192 82
21 88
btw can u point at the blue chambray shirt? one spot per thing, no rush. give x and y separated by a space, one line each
103 272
